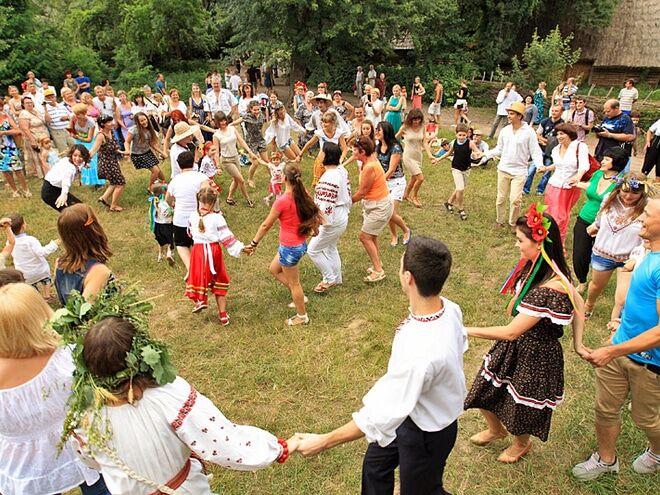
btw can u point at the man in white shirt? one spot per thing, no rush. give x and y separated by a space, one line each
582 118
182 196
504 99
627 96
371 76
235 82
219 99
37 96
60 116
516 146
409 416
103 103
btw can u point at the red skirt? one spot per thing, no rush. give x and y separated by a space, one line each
205 259
417 101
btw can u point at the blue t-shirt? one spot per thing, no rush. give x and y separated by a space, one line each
621 124
84 79
160 86
640 313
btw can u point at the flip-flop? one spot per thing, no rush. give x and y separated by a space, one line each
230 201
407 241
323 287
103 202
117 209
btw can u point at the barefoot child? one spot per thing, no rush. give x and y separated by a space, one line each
207 267
30 256
160 221
461 149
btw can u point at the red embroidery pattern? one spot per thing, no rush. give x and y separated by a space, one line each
185 409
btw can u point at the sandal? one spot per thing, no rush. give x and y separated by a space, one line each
375 276
449 207
297 320
27 194
251 184
405 241
250 203
394 242
486 437
103 202
230 201
462 214
292 305
323 287
224 318
588 311
116 209
507 458
199 306
416 202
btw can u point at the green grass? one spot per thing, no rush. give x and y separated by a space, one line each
257 371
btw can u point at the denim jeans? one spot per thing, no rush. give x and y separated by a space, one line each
540 189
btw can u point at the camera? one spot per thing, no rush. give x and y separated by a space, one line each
598 128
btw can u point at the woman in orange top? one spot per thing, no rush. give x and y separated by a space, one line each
376 204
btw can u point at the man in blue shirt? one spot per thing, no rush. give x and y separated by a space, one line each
84 83
160 84
617 129
631 364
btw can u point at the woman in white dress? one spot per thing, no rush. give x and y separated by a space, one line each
35 384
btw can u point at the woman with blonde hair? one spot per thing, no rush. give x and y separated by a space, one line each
33 127
35 384
86 251
416 142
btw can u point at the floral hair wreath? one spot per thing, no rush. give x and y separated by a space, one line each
147 356
536 221
632 184
300 84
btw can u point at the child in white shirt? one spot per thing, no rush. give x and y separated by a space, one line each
30 256
160 221
5 223
276 169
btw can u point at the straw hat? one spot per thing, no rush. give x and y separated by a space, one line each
517 107
182 130
323 96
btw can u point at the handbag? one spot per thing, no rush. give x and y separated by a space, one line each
593 164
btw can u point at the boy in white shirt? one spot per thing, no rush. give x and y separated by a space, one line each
30 256
410 415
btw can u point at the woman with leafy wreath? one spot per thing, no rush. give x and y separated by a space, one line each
521 380
148 430
35 384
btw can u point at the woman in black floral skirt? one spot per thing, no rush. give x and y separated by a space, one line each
108 163
521 380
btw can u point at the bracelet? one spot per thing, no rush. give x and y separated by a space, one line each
254 243
285 451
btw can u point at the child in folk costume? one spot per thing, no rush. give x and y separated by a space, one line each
160 221
207 267
276 169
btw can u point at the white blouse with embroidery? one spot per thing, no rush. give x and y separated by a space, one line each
156 436
31 419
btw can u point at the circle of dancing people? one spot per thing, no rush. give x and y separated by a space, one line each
410 415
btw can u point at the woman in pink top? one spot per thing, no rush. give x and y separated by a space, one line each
299 217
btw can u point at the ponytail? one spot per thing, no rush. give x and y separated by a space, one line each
206 196
308 213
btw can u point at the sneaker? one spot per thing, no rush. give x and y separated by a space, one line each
647 463
199 306
593 467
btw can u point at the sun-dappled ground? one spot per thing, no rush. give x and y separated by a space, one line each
310 378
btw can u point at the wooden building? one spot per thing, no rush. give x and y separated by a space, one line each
628 48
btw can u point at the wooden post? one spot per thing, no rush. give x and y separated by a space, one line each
608 93
483 78
591 89
648 96
491 76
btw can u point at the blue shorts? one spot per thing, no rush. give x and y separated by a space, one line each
290 255
601 264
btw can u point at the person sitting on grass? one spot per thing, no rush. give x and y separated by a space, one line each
461 150
410 416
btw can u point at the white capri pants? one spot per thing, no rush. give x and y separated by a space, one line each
322 250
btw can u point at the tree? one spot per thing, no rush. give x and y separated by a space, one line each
544 59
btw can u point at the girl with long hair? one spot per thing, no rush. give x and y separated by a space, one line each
299 218
388 151
521 380
616 230
142 144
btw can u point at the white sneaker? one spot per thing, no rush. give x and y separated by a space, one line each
647 463
593 467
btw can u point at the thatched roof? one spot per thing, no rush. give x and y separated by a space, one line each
631 40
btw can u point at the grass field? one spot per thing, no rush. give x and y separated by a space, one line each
311 378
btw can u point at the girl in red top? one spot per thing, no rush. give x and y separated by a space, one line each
299 217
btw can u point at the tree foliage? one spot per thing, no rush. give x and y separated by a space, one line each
544 59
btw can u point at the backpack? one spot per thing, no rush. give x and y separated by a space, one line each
586 131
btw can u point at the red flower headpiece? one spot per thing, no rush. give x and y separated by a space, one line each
539 224
300 84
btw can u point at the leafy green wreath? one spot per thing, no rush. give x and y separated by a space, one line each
90 392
